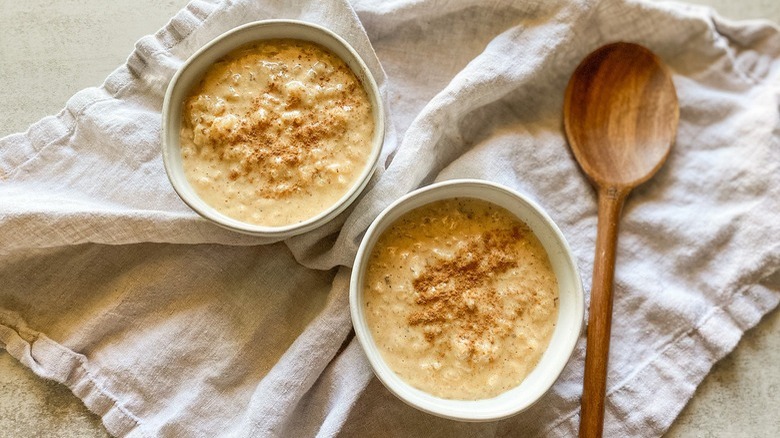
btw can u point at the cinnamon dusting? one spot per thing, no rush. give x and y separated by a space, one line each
460 298
284 119
449 291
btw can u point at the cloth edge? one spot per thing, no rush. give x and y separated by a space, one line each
53 361
737 316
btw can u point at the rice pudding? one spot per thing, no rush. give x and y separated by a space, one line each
276 132
460 298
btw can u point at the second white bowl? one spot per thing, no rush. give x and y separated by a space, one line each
570 311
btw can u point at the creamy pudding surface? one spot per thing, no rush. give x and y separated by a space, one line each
276 132
460 299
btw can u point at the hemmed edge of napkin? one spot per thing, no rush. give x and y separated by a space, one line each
673 372
53 361
58 127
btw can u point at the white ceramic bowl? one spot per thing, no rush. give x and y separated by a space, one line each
192 71
570 311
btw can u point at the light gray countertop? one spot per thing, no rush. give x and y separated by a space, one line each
51 50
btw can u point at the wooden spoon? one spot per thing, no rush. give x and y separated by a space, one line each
620 114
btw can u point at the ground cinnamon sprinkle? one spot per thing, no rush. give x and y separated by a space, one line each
448 291
460 298
263 142
278 120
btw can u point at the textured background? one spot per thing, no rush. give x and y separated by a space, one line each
51 50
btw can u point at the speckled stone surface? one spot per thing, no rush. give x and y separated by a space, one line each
51 50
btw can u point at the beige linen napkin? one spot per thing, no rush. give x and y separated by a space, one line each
166 325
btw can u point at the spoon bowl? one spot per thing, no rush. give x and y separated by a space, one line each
620 116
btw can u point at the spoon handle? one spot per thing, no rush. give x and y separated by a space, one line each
600 319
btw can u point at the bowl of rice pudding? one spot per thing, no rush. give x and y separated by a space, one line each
466 300
273 128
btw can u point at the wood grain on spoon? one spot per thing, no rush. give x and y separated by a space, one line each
620 115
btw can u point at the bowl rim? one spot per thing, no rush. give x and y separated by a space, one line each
170 147
463 410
